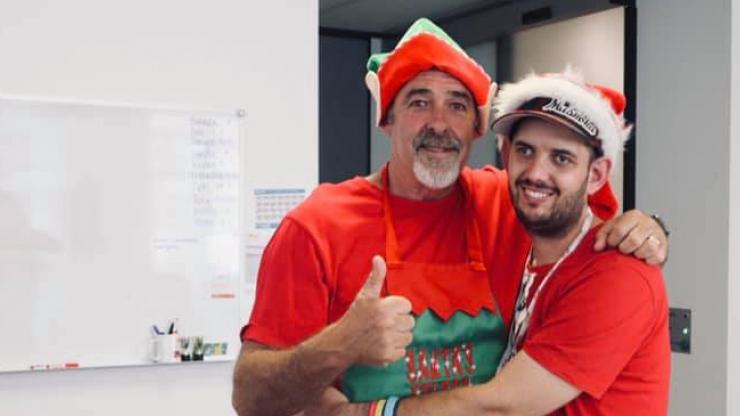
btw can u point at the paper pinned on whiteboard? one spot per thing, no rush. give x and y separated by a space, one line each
255 245
256 241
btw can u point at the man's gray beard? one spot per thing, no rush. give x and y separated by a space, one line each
436 174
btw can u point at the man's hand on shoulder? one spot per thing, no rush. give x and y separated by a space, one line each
635 233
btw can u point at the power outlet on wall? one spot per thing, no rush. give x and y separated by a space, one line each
679 326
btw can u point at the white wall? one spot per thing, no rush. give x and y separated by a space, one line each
594 43
733 299
683 173
260 56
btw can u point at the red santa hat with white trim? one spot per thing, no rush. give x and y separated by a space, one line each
595 112
425 47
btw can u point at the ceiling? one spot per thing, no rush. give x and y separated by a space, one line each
393 16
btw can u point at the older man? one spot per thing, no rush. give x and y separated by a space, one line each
437 317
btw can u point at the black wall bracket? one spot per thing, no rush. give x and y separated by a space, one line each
679 324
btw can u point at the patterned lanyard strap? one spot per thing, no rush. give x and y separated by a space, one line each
524 309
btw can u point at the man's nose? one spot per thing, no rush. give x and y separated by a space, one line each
439 123
537 169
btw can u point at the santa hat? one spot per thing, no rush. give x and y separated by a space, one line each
593 111
424 47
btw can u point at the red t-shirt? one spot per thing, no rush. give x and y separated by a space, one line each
320 254
601 324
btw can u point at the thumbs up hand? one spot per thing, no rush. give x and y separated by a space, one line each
377 329
374 284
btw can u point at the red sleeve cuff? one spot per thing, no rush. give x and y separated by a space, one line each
262 335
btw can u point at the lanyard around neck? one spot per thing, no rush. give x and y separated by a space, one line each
571 248
524 309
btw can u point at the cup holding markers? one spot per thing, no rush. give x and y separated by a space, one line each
166 348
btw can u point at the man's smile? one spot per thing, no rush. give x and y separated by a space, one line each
535 194
437 148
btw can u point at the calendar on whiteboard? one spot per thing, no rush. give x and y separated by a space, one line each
273 204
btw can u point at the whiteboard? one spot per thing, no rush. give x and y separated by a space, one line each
114 218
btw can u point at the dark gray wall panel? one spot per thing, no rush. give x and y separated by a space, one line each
344 137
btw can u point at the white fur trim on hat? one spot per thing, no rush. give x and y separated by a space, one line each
568 86
373 85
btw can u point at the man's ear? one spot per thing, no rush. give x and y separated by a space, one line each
485 111
598 174
386 127
385 123
504 146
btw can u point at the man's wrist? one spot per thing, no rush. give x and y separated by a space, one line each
328 347
662 225
384 407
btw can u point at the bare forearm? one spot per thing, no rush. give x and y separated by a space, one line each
334 403
283 382
522 388
467 401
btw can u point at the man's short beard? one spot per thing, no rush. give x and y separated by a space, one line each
435 172
564 215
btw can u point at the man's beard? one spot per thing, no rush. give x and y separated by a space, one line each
437 171
563 216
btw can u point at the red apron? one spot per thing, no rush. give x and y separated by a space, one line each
459 334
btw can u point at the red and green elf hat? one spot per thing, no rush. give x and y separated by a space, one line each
425 46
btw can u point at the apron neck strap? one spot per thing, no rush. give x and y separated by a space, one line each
392 258
392 252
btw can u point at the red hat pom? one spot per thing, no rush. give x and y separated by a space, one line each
616 98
